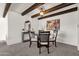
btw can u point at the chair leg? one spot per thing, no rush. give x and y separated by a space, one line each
55 44
48 49
37 45
30 44
39 50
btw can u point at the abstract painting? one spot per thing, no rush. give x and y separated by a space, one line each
52 24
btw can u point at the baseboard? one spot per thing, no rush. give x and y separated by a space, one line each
2 41
66 43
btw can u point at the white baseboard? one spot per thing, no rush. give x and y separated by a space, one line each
67 43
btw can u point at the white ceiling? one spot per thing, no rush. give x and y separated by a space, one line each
20 7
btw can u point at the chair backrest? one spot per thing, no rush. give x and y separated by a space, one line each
55 34
44 36
32 34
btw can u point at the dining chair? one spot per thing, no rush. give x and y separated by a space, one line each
43 40
53 37
33 38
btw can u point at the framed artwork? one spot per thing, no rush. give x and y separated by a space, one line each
52 24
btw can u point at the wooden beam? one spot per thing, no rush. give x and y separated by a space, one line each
60 13
6 9
34 6
53 9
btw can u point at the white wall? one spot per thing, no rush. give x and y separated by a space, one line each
78 27
34 22
3 24
15 26
3 28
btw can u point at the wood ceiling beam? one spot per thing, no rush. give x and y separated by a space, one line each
34 6
60 13
53 9
7 6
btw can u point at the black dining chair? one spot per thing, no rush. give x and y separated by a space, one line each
43 40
